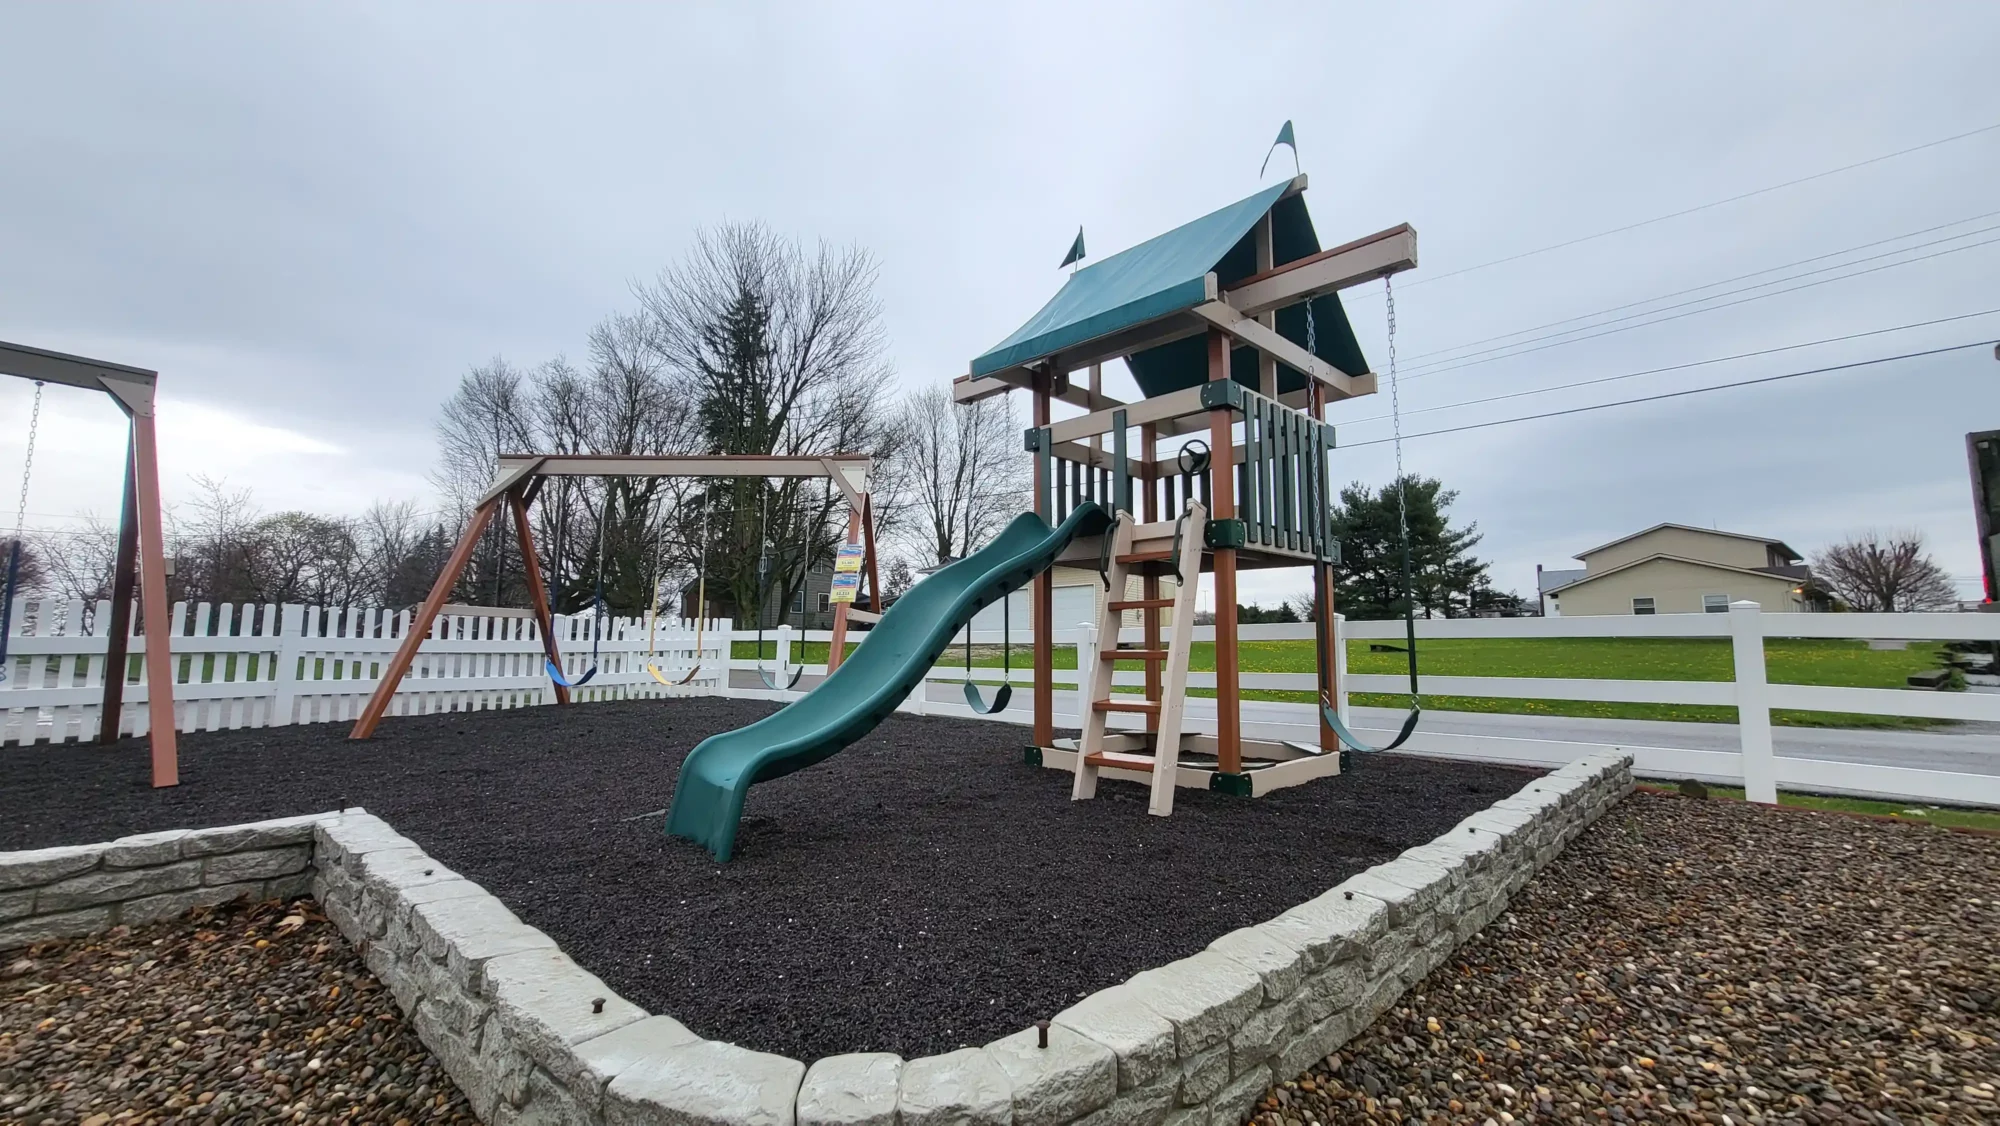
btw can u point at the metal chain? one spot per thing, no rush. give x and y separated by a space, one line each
1396 411
28 466
1312 333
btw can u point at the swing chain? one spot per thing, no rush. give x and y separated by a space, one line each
1396 411
27 468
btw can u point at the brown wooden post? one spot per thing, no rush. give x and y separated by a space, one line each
420 627
538 591
1323 610
153 607
118 632
1149 442
1222 482
1042 592
836 650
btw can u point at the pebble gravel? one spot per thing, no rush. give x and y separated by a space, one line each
1702 961
240 1014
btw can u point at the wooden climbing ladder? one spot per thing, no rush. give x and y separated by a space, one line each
1101 748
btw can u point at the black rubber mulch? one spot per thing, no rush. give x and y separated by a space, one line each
921 891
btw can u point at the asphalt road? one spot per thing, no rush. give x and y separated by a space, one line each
1969 748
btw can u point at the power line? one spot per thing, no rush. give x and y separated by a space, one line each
1696 312
1681 394
1726 281
1681 367
1706 206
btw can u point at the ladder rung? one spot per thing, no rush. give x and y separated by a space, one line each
1133 655
1143 707
1140 603
1117 761
1146 557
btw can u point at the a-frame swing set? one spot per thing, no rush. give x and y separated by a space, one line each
518 481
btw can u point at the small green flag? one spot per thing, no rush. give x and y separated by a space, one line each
1284 138
1075 250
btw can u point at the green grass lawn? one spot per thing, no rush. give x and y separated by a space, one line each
1848 664
1949 817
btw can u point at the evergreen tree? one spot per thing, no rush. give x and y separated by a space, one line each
1444 573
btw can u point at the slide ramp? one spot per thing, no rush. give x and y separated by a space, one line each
869 684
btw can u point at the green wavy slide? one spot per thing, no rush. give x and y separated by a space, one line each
877 676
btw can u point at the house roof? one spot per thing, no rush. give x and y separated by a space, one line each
1169 274
1656 556
1548 582
1781 544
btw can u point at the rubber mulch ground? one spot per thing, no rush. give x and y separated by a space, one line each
921 891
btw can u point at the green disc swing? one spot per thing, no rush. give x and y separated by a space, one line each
1327 712
973 698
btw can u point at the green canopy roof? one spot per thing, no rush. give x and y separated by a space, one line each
1165 276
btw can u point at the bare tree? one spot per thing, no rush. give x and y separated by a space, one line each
959 470
1877 572
78 562
31 573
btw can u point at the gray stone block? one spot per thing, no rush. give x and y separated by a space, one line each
1333 927
46 865
852 1090
1151 1105
546 1004
1203 1074
46 928
263 864
962 1088
1061 1083
172 905
16 904
1270 953
1262 1035
1406 904
1336 989
603 1058
112 886
705 1083
276 833
145 849
1193 1116
390 871
458 1055
1142 1039
1314 1043
1206 995
546 1103
343 840
298 885
1233 1103
464 933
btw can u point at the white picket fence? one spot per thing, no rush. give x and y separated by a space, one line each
269 665
258 666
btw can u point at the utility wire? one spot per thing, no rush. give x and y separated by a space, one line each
1680 367
1680 394
1706 206
1725 281
1612 331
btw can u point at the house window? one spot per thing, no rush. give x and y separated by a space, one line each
1642 606
1715 604
798 602
824 602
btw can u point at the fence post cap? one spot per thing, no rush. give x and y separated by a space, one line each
1746 606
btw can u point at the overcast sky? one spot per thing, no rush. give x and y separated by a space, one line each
311 220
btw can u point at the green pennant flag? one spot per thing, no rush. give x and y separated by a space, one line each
1284 138
1075 250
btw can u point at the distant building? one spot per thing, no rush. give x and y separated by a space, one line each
1677 569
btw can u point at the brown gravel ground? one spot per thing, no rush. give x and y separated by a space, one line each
240 1014
1703 961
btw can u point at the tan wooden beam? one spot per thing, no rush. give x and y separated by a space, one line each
1365 259
1339 384
420 626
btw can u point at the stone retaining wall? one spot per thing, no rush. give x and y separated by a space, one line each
531 1037
76 890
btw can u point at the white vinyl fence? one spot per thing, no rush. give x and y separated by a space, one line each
257 666
267 665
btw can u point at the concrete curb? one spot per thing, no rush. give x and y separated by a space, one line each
531 1037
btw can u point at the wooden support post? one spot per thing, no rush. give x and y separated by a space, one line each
420 626
1222 487
538 591
838 649
1042 592
153 607
118 632
1323 609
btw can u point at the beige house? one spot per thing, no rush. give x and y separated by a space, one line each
1676 569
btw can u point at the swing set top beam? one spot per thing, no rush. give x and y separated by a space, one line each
132 387
848 470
